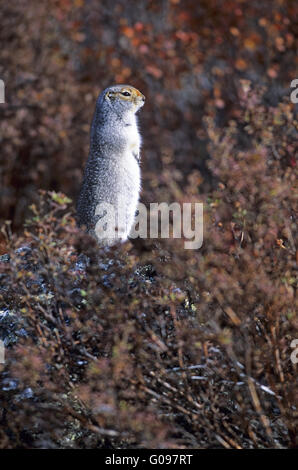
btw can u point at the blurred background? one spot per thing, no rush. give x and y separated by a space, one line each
219 128
187 57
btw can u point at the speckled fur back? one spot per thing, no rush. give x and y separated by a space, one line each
112 173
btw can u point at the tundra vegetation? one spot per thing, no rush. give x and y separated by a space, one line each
148 344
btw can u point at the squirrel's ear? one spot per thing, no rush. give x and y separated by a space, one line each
110 95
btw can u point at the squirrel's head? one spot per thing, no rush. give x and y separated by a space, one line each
121 99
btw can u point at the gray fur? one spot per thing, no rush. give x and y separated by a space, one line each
112 172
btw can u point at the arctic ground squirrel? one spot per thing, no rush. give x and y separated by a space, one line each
111 185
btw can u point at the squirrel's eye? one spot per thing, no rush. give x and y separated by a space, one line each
125 93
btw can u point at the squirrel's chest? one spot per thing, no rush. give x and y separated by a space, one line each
129 167
132 142
125 168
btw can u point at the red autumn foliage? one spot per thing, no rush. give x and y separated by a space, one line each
152 345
